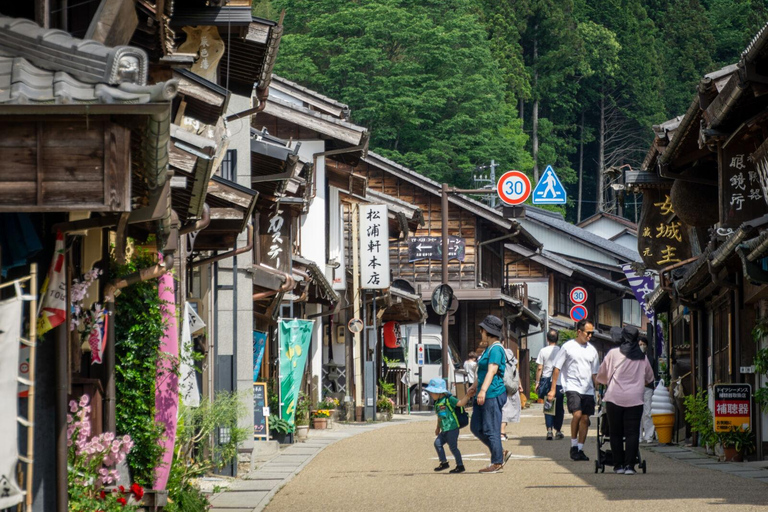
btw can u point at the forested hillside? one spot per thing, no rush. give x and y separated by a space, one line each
448 85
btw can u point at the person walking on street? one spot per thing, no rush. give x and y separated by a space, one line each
647 429
470 366
546 363
511 411
625 372
491 393
447 430
577 360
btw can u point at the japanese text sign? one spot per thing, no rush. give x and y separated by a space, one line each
741 196
431 248
275 238
374 247
662 238
733 407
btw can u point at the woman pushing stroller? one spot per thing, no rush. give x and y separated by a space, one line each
625 372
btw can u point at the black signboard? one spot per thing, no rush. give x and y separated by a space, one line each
260 421
431 248
662 238
741 194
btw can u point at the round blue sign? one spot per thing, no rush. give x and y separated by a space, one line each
578 312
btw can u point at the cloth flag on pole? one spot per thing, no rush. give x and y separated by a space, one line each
295 336
642 286
97 338
10 330
259 344
54 302
190 393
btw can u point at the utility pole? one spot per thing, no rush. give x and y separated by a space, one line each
445 190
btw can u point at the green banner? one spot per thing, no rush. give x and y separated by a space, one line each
294 336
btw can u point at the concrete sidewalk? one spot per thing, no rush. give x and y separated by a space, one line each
254 492
757 470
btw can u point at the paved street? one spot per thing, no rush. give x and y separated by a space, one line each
390 468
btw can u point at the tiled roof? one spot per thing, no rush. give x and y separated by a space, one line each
586 273
45 66
557 222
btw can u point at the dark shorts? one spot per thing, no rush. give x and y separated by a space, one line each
579 402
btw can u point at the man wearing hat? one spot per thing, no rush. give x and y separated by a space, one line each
491 393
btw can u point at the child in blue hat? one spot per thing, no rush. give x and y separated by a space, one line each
447 431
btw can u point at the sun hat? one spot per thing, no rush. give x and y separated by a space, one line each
492 325
437 386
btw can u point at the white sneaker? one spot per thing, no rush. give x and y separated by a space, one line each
629 471
618 471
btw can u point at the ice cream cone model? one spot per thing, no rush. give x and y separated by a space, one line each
663 413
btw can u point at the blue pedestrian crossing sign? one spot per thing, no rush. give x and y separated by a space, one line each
549 190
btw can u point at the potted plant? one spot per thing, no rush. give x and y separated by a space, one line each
320 419
535 398
302 417
736 443
331 404
280 430
699 417
385 407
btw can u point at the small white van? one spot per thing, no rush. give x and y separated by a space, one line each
405 356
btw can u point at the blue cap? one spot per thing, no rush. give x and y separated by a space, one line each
437 386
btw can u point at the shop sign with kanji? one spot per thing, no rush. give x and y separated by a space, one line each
374 247
431 248
733 407
275 238
741 195
662 237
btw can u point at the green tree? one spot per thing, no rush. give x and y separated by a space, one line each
688 49
421 77
734 23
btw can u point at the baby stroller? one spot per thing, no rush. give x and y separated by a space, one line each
604 456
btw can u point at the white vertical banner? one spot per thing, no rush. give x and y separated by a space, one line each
10 330
374 247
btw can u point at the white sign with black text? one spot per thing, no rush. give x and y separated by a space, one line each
374 247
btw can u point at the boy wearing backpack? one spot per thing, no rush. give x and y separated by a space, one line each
451 417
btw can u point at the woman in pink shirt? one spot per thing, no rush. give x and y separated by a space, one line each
625 371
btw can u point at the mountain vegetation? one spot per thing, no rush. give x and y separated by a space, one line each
446 86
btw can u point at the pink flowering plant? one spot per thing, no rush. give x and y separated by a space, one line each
91 465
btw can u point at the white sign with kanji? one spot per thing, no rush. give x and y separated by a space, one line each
374 247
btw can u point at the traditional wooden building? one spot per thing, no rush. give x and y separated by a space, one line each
574 256
105 141
711 260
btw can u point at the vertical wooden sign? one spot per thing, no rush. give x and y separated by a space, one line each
741 196
662 237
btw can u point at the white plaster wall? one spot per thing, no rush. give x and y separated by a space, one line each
313 247
239 133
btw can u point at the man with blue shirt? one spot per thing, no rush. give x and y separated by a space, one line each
491 393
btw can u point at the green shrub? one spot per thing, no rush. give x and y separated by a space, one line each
138 329
197 451
699 417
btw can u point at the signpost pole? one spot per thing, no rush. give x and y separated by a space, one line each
444 278
419 395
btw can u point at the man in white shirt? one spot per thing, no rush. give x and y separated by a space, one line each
578 362
546 364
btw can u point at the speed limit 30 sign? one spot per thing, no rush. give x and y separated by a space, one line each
514 187
578 295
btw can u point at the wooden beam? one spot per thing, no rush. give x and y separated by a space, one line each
320 125
114 23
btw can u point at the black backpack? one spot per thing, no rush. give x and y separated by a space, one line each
461 415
